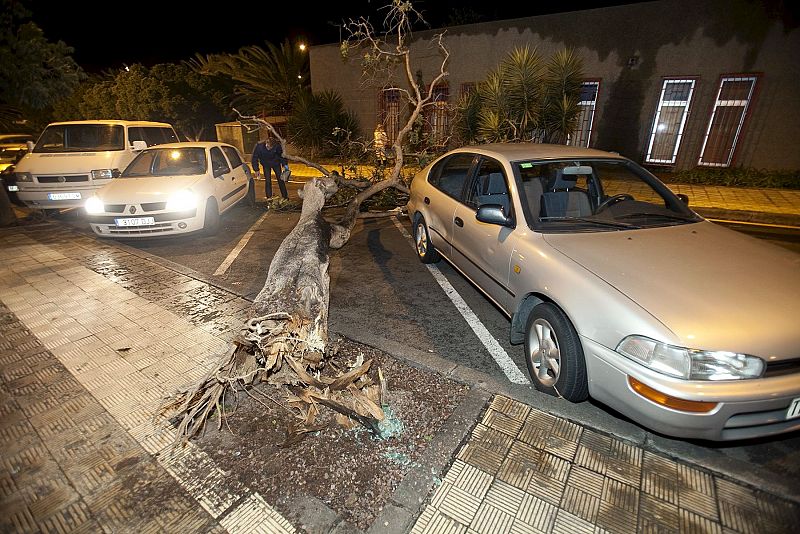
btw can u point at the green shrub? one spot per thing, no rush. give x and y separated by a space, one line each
733 177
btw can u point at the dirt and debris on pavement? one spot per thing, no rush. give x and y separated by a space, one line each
349 470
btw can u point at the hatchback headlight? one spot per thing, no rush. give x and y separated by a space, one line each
94 206
24 176
182 200
105 174
691 364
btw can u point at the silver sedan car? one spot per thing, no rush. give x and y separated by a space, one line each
617 289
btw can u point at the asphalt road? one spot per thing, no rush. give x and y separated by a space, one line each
382 295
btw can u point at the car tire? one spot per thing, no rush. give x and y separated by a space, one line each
211 219
251 193
554 354
422 242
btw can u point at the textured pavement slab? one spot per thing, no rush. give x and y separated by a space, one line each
526 471
91 342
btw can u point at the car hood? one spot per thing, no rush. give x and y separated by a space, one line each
71 162
145 189
714 288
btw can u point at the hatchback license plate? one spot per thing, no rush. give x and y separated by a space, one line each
136 221
64 196
794 409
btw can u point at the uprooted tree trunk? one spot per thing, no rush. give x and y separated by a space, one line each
285 341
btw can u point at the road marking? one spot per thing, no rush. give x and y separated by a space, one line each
499 354
238 248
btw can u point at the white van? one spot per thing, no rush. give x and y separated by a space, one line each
72 159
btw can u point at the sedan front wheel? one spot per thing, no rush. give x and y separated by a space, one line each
554 354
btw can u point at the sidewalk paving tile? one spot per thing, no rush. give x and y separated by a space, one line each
557 476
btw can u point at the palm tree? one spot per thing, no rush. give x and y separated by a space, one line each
268 81
524 100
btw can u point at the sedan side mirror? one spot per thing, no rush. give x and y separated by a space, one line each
684 198
493 214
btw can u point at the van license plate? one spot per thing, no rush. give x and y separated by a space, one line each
13 188
794 409
136 221
64 196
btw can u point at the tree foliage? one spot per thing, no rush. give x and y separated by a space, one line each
34 72
524 99
320 122
168 92
267 81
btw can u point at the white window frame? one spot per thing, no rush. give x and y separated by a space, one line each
590 106
720 103
685 104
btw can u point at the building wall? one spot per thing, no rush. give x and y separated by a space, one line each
630 49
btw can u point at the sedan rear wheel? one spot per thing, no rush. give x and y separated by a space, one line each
554 354
422 242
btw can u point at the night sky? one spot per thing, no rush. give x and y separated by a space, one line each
108 35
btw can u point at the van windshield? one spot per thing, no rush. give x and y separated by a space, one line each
81 138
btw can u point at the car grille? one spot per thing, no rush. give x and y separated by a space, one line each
62 179
114 208
785 367
139 230
153 206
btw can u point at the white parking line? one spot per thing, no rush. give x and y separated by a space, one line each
499 354
238 248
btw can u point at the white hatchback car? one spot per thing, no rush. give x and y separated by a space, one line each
617 289
175 188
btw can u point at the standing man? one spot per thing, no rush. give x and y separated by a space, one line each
269 153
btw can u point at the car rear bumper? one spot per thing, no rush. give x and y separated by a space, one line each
746 408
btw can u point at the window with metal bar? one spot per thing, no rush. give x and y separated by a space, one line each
667 130
389 112
587 101
725 126
438 116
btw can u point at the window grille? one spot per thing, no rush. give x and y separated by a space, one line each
467 88
725 126
666 133
389 112
437 114
587 102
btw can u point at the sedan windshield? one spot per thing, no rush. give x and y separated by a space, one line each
80 138
168 162
596 195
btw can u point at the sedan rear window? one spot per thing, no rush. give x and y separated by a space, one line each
168 162
449 176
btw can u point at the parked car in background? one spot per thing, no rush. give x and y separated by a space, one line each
617 289
175 188
12 148
72 159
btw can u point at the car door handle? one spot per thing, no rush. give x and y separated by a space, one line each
458 221
427 200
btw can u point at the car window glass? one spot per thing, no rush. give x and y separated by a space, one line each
233 156
80 138
596 195
452 174
168 162
151 135
218 163
489 186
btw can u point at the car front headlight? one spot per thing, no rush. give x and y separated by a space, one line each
105 174
24 176
182 200
691 364
94 206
